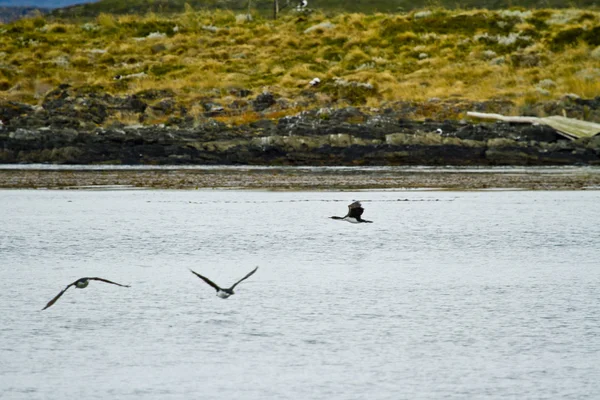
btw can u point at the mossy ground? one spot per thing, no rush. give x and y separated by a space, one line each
518 55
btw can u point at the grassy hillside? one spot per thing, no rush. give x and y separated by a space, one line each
369 60
265 6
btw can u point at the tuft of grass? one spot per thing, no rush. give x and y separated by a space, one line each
106 21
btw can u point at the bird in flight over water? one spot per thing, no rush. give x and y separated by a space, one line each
355 211
223 292
81 283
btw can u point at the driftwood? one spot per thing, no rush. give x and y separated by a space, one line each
568 127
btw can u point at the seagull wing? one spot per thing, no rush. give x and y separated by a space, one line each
107 281
246 277
51 302
211 283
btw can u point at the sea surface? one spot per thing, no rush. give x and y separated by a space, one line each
446 295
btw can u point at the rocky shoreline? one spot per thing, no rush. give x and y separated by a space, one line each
291 178
74 126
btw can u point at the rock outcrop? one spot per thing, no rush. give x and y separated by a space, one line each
77 125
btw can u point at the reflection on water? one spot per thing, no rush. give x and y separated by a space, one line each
447 295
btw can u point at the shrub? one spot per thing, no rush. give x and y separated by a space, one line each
592 36
106 21
566 37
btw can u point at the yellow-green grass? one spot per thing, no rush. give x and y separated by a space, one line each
522 56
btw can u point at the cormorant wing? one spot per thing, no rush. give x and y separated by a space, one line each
51 302
247 276
356 212
211 283
107 281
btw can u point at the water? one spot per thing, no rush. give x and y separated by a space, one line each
453 295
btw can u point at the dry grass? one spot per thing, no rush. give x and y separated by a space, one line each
405 56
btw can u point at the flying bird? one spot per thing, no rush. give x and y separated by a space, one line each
80 284
355 211
223 292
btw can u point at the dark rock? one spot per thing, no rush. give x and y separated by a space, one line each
164 107
182 122
517 132
240 92
12 109
263 125
132 104
591 103
263 101
61 122
35 120
239 105
539 133
85 104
